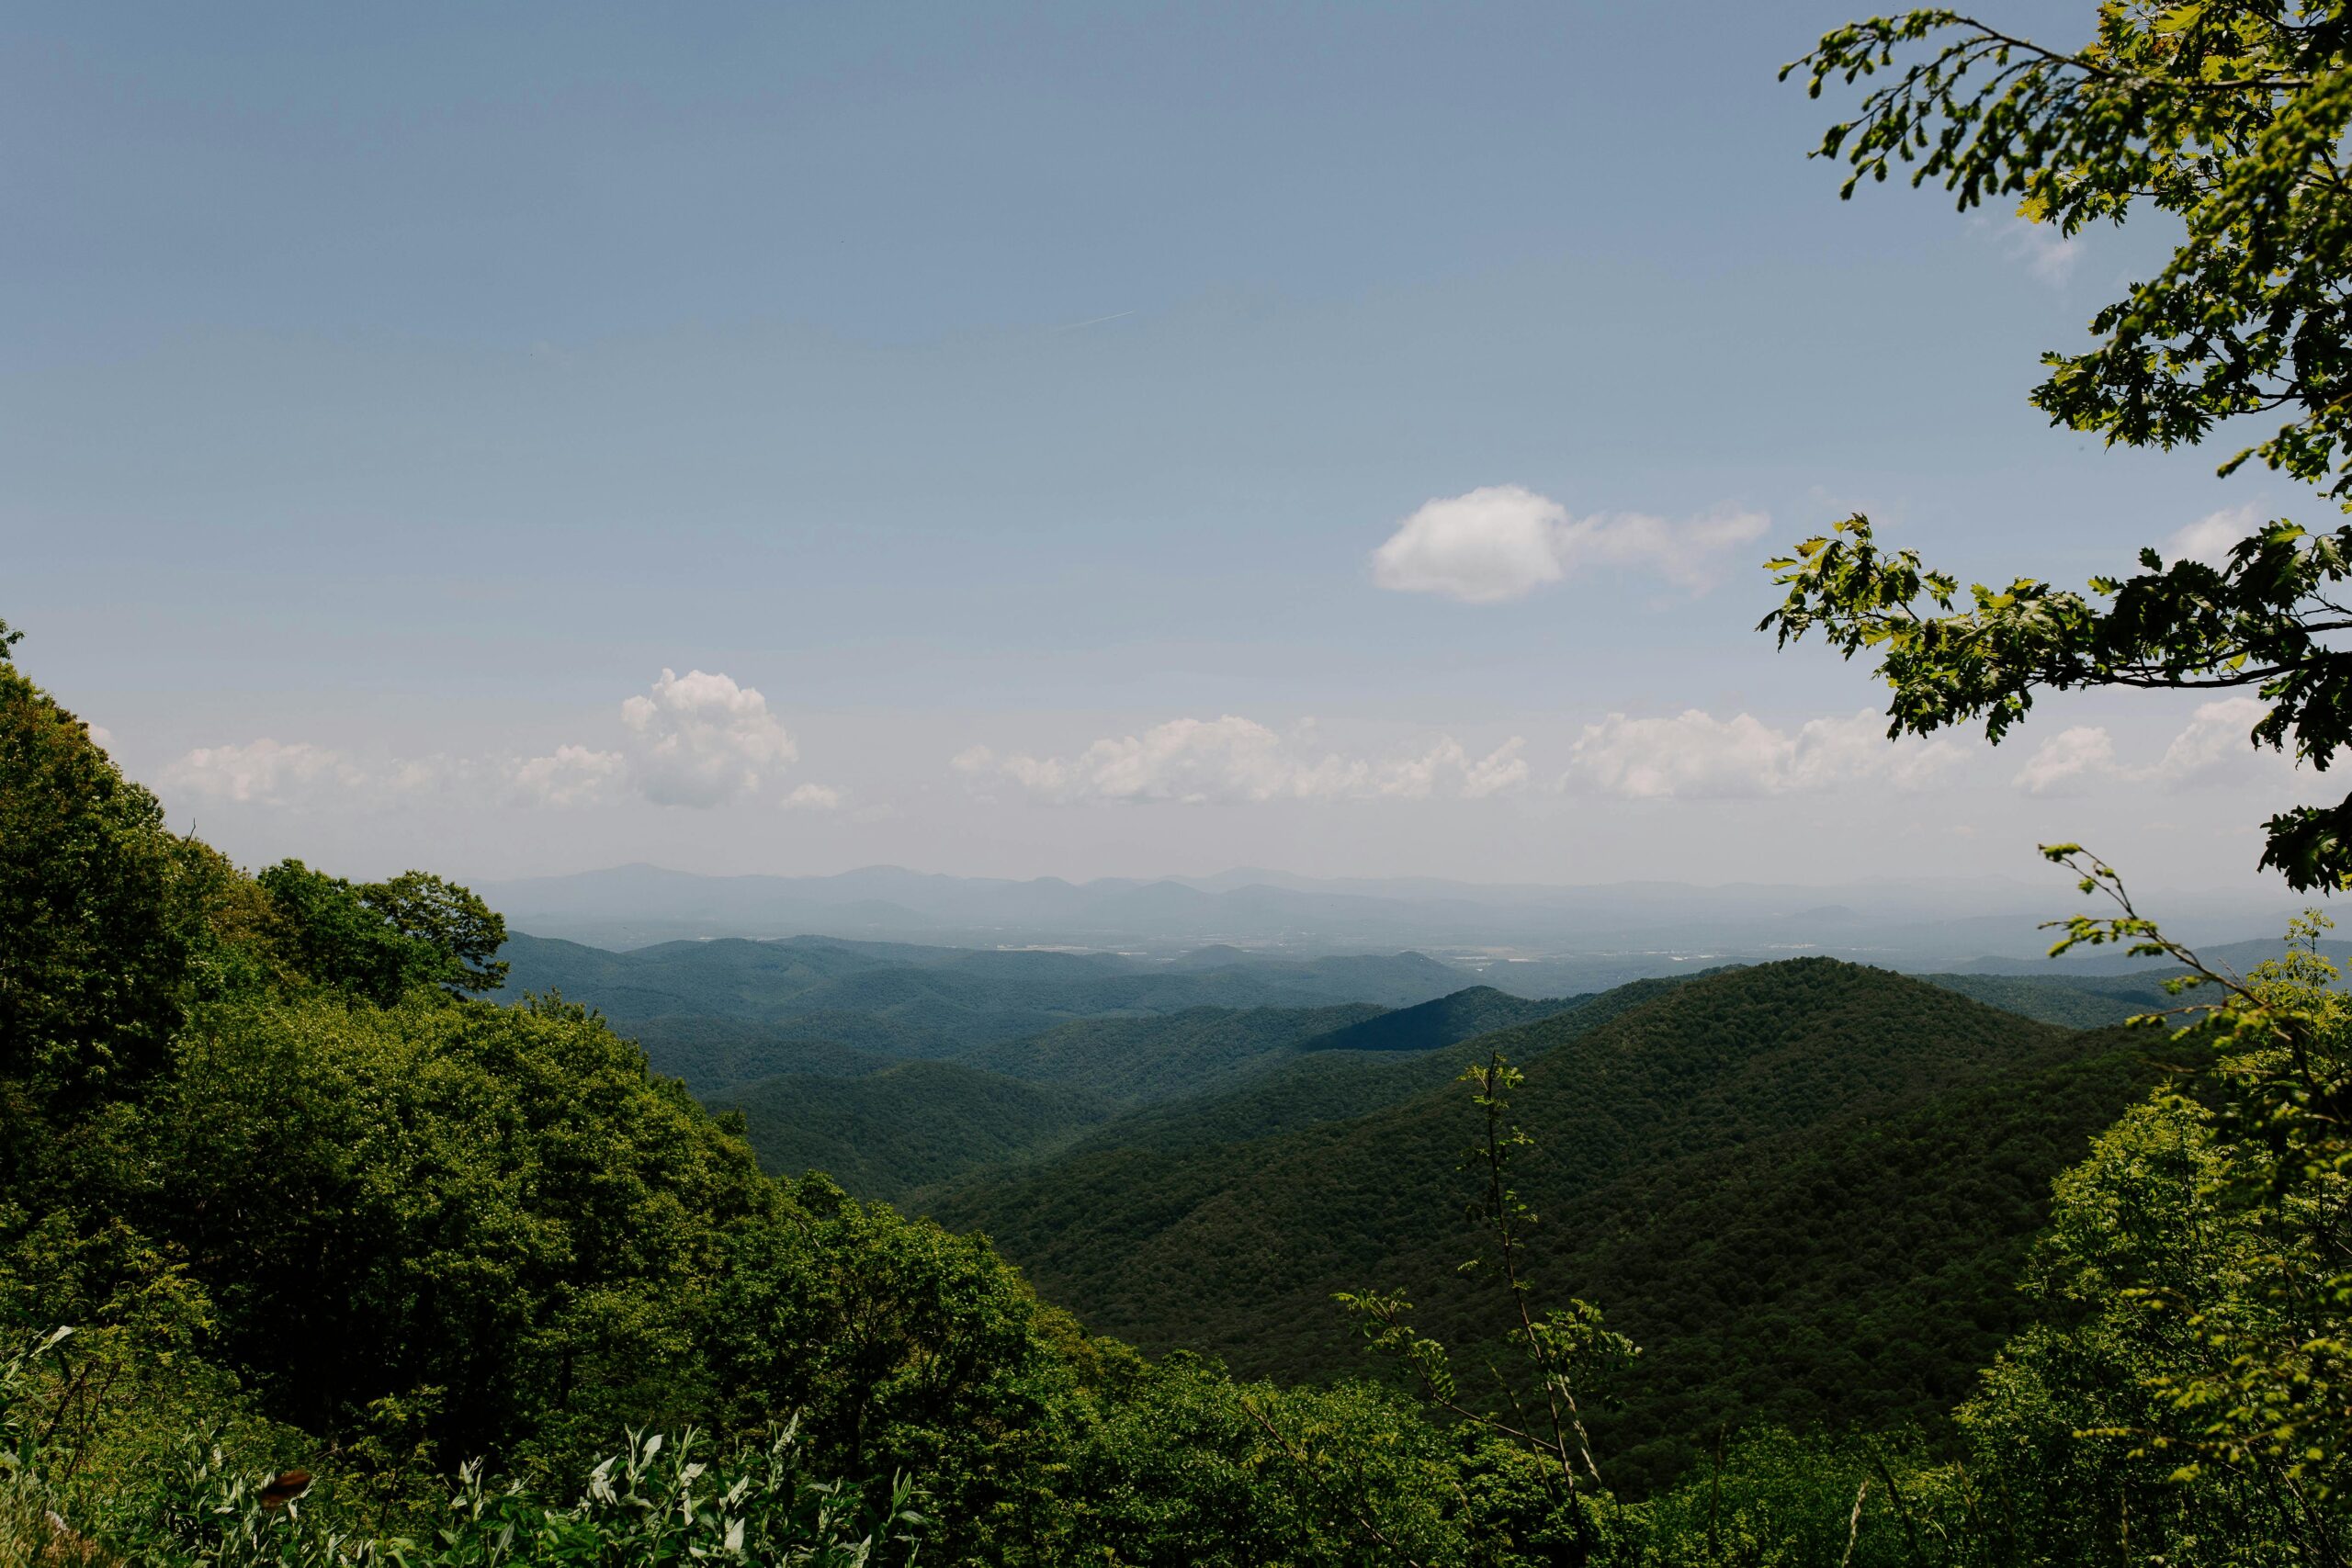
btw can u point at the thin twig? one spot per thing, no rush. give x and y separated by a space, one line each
1854 1524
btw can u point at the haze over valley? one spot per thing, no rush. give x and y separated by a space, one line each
1540 936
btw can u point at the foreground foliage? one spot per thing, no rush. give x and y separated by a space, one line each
2227 118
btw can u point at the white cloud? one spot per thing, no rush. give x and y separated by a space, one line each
265 772
1232 760
2066 761
697 740
1687 554
812 798
2050 255
702 740
1499 769
1695 755
2214 748
2209 538
100 735
570 775
1503 541
1493 544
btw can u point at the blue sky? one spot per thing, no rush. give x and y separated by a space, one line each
990 415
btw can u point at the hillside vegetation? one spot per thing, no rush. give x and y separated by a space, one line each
727 1012
2069 1001
1322 1082
1797 1086
312 1256
895 1130
1134 1060
909 1126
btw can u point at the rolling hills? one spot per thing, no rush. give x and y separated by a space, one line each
815 1004
2071 1001
1805 1165
906 1127
1805 1187
1076 1051
1326 1080
899 1129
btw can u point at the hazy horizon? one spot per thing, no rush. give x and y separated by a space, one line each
1579 938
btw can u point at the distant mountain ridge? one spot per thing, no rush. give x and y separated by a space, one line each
1624 931
726 1011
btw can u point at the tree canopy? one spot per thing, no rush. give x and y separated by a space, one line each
2228 117
379 939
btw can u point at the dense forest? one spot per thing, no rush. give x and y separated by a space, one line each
729 1011
313 1249
1731 1154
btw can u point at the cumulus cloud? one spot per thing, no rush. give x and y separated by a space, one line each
812 798
2066 759
2209 538
701 741
570 775
264 772
1232 760
697 740
1695 755
2212 748
1493 544
1504 541
1499 769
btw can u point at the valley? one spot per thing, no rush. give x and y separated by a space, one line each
1807 1188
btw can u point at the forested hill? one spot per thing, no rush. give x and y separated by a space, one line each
1741 1158
1478 1009
1132 1060
723 1012
911 1125
1322 1081
733 978
2074 1002
895 1130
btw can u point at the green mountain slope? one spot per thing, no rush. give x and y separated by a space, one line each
739 978
712 1055
2072 1001
1709 1111
1857 1272
907 1126
892 1131
727 1011
1477 1009
1138 1059
1318 1083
